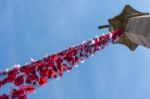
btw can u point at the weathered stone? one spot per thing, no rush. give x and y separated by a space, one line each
136 26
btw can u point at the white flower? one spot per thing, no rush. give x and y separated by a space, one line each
83 42
110 35
76 65
92 42
82 61
17 65
33 60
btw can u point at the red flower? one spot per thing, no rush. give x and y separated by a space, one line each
12 74
59 60
63 53
11 77
24 68
42 81
50 63
28 69
54 57
22 97
19 81
4 96
32 69
32 76
1 84
67 67
28 89
51 73
75 51
17 93
39 64
76 59
44 72
60 68
61 74
69 57
5 80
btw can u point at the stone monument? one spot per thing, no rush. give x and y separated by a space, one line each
136 26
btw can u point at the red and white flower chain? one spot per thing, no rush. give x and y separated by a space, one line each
25 79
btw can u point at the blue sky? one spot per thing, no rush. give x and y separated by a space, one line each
32 28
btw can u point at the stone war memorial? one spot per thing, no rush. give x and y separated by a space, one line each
135 25
130 28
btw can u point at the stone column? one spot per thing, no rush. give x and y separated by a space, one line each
137 29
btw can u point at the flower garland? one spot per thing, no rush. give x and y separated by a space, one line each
26 79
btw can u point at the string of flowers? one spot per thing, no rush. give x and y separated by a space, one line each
26 79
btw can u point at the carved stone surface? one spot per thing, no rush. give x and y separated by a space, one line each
138 30
135 25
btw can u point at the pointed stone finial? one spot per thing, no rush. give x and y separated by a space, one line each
135 25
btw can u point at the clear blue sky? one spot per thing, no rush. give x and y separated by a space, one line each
32 28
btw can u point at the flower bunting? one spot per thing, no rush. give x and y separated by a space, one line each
26 79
